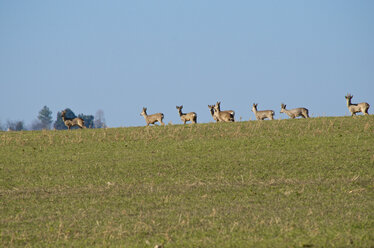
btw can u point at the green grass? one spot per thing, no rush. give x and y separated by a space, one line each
282 183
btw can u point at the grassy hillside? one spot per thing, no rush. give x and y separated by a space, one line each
282 183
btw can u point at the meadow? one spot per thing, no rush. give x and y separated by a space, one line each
281 183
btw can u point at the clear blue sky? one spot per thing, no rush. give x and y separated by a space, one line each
119 56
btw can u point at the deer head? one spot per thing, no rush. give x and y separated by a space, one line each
283 107
144 112
254 107
218 105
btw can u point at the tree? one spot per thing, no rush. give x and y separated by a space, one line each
100 119
45 117
37 125
88 120
15 125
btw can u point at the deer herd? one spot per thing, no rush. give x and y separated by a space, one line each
228 115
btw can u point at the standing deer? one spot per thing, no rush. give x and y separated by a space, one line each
357 108
71 122
211 108
192 116
224 116
293 113
232 112
263 114
152 119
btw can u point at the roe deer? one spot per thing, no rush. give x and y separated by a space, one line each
263 114
232 112
211 108
224 116
293 113
356 108
152 119
71 122
192 116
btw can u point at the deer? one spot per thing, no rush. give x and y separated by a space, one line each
296 112
224 116
263 114
192 116
232 112
211 108
71 122
152 119
357 108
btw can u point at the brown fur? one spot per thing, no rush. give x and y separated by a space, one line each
224 116
211 108
192 116
357 108
293 113
152 119
72 122
263 114
232 112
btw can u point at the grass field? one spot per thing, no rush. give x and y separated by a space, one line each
282 183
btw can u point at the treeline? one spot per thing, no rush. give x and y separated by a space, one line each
45 121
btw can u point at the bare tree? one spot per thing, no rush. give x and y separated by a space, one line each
99 119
